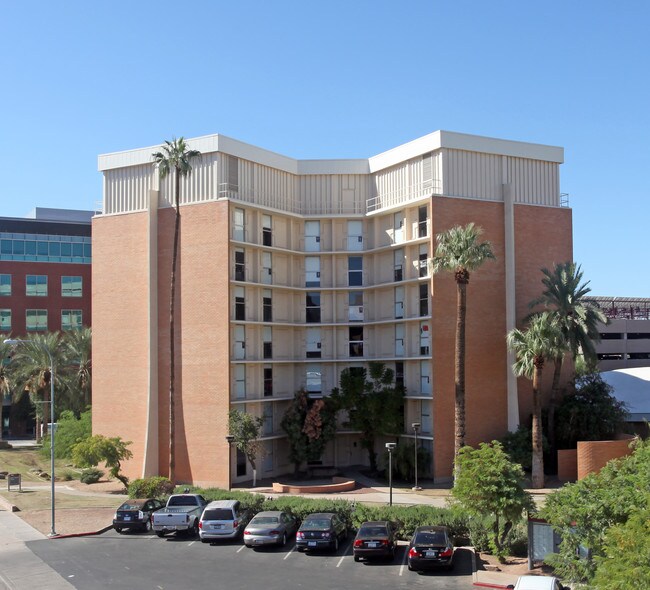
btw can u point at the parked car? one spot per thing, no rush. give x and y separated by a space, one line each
537 583
222 519
136 514
322 530
270 528
180 515
375 539
430 547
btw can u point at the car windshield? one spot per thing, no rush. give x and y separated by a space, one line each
319 523
265 520
372 531
217 514
430 538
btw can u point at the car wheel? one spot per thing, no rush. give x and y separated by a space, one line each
195 529
336 544
147 526
160 533
118 529
283 540
410 567
357 558
205 540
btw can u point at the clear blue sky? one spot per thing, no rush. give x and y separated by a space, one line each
337 79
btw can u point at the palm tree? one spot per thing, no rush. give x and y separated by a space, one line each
578 320
31 372
459 251
542 340
5 382
77 345
174 157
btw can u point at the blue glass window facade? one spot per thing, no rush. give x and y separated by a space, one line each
45 248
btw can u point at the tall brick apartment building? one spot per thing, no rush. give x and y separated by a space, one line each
45 276
293 270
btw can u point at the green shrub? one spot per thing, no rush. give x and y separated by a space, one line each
69 431
150 487
69 475
91 475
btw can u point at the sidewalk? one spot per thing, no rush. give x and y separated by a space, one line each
20 569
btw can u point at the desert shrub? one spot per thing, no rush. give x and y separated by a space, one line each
91 475
70 430
248 500
150 487
69 475
302 507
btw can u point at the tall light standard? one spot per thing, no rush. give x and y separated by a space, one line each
390 447
16 342
416 428
229 439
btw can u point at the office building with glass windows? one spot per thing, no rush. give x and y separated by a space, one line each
291 271
45 276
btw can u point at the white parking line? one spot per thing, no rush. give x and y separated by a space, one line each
406 554
287 555
344 554
192 543
242 547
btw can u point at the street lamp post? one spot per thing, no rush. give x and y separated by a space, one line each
416 428
16 342
229 439
390 447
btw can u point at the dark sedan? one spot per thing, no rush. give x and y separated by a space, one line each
321 531
375 539
430 548
136 514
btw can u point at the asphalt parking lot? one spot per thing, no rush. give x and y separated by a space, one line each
137 561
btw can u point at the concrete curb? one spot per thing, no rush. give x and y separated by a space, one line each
90 534
475 581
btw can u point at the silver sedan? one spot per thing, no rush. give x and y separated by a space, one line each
270 528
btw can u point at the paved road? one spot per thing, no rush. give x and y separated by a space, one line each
138 561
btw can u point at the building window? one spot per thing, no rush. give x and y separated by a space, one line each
355 271
36 285
355 235
314 383
355 334
313 345
268 381
355 306
240 265
240 304
241 463
22 247
312 271
267 231
422 221
424 338
240 342
71 286
399 339
71 319
267 268
267 306
425 377
5 320
312 307
424 299
240 381
238 231
423 260
267 342
267 417
312 236
425 417
399 374
398 265
5 285
36 319
398 227
399 303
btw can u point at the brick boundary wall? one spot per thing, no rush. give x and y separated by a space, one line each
593 455
567 464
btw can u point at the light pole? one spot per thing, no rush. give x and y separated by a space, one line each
229 439
16 342
390 447
416 427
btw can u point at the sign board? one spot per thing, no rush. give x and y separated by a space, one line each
542 541
14 479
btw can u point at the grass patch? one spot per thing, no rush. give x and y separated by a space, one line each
40 500
23 460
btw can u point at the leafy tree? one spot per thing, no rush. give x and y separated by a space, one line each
584 512
77 346
374 407
579 320
489 483
309 425
404 461
589 413
460 252
100 449
626 562
532 347
70 430
246 429
174 158
519 446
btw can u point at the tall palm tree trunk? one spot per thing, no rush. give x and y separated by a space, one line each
537 475
459 369
550 416
172 371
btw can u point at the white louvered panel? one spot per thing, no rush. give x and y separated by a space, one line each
473 175
534 182
127 189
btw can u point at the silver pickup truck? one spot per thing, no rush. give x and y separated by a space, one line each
181 514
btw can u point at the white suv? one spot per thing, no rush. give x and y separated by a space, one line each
222 519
